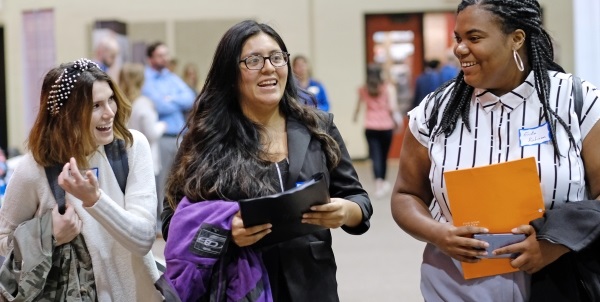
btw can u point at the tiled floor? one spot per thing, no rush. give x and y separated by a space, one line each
381 265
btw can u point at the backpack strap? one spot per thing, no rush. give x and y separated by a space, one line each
577 96
117 157
58 192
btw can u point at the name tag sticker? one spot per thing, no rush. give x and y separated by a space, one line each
534 136
95 171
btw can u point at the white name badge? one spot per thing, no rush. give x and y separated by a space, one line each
534 136
314 90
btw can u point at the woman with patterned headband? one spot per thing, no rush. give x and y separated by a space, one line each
81 111
508 83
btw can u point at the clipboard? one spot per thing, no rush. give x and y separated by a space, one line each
498 197
284 211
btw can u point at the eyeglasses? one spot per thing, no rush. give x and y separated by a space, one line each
257 62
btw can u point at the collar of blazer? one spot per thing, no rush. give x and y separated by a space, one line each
298 140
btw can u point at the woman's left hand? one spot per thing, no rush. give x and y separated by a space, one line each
84 188
332 215
534 254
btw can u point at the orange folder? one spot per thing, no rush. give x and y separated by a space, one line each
498 197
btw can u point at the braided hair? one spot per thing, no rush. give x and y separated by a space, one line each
513 15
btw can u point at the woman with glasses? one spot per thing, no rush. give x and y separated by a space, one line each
248 136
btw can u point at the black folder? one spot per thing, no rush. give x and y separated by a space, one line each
284 210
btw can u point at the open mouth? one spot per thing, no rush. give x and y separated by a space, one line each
268 83
104 128
467 64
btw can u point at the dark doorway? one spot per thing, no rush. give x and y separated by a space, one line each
3 121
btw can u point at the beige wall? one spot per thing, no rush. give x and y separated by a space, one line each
330 32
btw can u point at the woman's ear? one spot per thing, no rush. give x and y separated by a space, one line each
518 39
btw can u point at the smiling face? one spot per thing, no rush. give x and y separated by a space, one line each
103 113
485 52
261 90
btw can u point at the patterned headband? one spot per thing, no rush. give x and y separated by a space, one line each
62 86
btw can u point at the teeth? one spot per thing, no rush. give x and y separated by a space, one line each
467 64
270 82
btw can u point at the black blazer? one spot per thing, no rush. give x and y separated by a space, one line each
306 265
574 276
304 268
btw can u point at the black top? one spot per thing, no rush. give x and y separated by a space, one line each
304 268
279 173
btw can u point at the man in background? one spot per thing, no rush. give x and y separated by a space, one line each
106 52
171 97
450 69
427 82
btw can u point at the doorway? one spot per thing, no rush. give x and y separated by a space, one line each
395 41
401 43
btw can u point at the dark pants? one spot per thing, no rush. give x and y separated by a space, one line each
379 145
168 149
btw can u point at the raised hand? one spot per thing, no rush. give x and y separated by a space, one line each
83 188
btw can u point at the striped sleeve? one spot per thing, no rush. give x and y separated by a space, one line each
590 114
417 124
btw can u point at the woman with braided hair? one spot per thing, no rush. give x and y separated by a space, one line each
508 82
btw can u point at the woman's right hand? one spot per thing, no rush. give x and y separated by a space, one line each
457 242
67 226
247 236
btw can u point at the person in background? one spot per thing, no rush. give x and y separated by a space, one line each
248 136
379 124
427 82
172 98
303 75
3 166
172 65
190 76
143 115
449 70
106 52
3 175
508 82
81 111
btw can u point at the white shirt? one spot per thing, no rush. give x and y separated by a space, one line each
494 138
119 229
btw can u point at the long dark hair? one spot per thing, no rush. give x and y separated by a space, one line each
221 154
512 15
374 79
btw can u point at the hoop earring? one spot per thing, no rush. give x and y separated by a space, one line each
518 60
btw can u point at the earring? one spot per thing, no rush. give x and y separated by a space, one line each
518 60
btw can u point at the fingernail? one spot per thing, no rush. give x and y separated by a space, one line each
313 208
514 230
486 245
486 230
